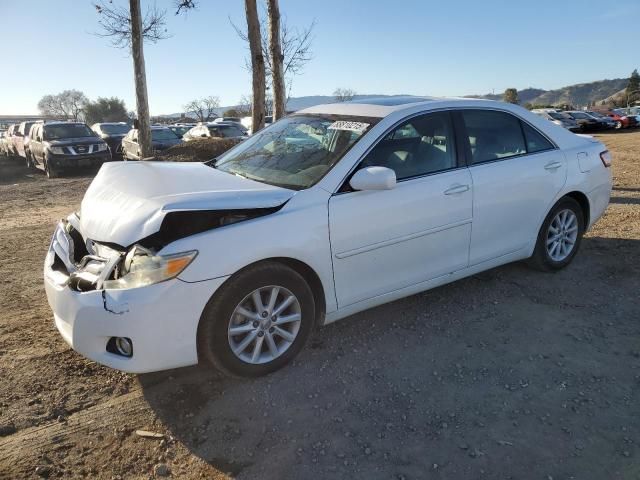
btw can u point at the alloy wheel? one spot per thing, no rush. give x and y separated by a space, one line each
562 235
264 324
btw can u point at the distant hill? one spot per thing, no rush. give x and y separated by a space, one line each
578 95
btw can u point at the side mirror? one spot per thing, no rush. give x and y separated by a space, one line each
373 178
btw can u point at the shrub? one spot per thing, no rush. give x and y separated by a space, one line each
199 150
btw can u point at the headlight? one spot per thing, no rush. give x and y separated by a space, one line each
102 147
143 270
57 150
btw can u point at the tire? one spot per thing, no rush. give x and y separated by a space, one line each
30 164
215 340
549 259
50 171
618 125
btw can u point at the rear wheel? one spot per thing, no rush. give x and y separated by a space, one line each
618 125
559 237
258 321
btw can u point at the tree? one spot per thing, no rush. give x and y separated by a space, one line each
203 108
257 65
128 29
67 105
343 94
633 87
510 96
105 110
296 51
276 60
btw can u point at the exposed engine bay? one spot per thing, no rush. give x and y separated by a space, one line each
85 265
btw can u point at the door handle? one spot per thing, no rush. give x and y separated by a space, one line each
456 189
552 166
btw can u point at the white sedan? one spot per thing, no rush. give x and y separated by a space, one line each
329 211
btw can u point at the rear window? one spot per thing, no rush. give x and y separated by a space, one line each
70 130
114 129
163 134
493 135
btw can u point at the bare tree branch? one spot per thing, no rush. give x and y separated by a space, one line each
184 4
203 108
343 94
295 44
115 23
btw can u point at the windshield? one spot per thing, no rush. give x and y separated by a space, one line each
225 131
115 128
559 116
67 130
180 131
297 151
580 115
163 134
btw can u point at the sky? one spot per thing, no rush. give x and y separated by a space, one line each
418 47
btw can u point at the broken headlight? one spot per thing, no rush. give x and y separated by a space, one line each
141 267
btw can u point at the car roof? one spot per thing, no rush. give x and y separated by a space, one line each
383 106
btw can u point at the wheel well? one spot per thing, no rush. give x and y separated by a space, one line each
310 276
582 199
312 279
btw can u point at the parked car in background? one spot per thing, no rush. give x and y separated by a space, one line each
215 129
112 133
607 122
620 118
585 121
180 130
633 112
3 142
9 142
19 137
58 147
228 119
559 118
235 261
247 123
161 139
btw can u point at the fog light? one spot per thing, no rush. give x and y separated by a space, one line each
123 346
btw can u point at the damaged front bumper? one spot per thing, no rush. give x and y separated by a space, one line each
161 319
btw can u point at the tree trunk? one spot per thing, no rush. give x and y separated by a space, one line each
142 100
275 50
257 65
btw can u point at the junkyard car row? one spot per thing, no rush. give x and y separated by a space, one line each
234 262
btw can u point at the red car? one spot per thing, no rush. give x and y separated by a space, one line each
621 119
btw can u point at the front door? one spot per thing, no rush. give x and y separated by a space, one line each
387 240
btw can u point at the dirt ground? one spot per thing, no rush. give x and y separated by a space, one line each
510 374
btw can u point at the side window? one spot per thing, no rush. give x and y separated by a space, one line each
536 142
493 135
419 146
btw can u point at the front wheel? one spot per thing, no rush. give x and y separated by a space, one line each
618 125
559 237
258 321
50 171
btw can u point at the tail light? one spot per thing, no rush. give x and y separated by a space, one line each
606 158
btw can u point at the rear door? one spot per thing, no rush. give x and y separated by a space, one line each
516 172
387 240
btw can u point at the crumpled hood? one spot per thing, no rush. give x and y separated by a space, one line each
127 201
